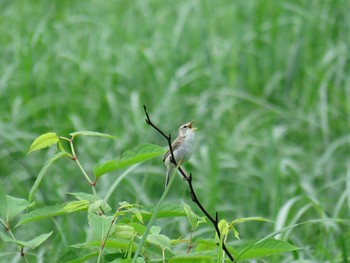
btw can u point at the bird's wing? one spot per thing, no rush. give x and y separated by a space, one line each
174 146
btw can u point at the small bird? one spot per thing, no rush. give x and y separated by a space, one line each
182 149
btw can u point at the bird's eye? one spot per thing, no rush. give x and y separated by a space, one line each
184 126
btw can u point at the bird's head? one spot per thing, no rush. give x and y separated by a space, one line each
186 129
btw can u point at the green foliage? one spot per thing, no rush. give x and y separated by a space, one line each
192 217
91 133
267 82
33 243
127 236
206 256
100 226
43 141
139 154
15 206
51 211
42 173
264 248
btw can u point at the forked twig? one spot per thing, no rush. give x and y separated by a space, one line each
188 178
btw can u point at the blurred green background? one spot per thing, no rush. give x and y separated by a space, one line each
267 83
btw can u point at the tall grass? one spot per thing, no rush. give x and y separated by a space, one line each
267 83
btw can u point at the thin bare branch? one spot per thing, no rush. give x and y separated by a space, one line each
188 179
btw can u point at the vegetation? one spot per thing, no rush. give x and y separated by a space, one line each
267 83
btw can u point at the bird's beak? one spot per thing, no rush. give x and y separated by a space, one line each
191 127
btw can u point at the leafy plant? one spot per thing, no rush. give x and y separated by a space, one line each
120 235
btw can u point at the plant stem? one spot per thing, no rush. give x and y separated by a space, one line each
103 243
75 158
20 247
153 218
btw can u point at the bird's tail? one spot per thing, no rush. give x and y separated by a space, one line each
169 173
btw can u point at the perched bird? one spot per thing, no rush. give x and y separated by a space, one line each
182 149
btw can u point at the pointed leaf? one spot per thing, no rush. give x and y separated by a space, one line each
264 248
100 225
33 243
193 218
159 240
247 219
40 177
15 206
139 154
43 141
50 211
92 133
72 256
85 196
138 215
235 232
115 243
76 206
165 211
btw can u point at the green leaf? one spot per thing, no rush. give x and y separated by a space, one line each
164 212
35 242
15 206
223 227
99 206
159 240
124 231
40 177
193 218
50 211
264 248
205 244
115 243
138 228
205 256
100 225
138 215
235 232
72 256
155 230
247 219
76 206
43 141
85 196
139 154
3 202
92 133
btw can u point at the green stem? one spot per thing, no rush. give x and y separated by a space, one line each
20 247
86 176
75 158
153 218
103 243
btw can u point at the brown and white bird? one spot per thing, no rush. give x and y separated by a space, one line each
182 149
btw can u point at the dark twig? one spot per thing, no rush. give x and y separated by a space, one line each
188 178
167 137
